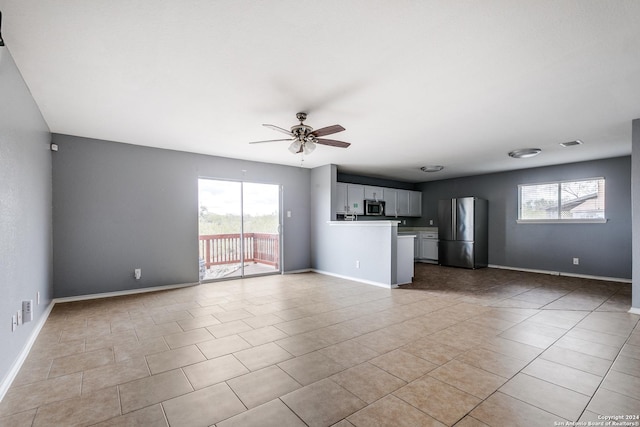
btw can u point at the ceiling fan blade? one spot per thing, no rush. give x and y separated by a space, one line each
332 142
327 130
278 128
270 140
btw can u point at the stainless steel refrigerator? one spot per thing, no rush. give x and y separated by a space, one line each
463 232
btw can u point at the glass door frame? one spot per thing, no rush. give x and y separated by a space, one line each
280 218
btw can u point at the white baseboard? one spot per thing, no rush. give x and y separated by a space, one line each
123 293
355 279
304 270
17 364
634 310
560 273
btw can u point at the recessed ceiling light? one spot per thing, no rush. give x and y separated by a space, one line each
525 153
432 168
571 143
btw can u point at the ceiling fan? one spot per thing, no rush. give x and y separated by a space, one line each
304 139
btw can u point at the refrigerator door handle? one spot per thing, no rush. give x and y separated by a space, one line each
454 220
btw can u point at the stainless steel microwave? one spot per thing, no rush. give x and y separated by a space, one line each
374 207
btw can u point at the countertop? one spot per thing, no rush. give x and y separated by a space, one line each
417 229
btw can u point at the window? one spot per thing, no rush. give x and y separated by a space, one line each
562 201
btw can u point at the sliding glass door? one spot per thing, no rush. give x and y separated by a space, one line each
239 229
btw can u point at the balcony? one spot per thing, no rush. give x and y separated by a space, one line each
220 254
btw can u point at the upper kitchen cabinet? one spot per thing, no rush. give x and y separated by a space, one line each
415 203
402 203
373 193
341 198
390 201
355 199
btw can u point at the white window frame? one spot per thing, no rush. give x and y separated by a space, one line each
560 220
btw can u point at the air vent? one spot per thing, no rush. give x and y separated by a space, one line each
571 143
432 168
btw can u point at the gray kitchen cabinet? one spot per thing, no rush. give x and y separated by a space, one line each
402 206
373 193
355 199
415 203
341 198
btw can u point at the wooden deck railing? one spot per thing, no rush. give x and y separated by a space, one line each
218 249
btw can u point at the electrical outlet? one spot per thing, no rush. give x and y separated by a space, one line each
430 222
358 264
576 261
14 323
38 297
19 315
27 311
137 273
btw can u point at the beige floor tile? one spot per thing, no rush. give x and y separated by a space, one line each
622 383
81 361
597 337
32 371
441 401
503 410
222 346
311 367
469 421
610 323
229 316
432 351
263 335
262 356
149 416
403 365
261 386
565 376
559 318
49 350
584 362
89 409
213 371
322 403
154 389
368 382
381 341
627 365
608 402
391 411
172 359
110 340
171 316
349 353
203 407
183 339
272 414
475 381
131 351
302 344
512 348
148 332
111 375
22 398
263 320
198 322
592 349
22 419
549 397
490 361
631 351
229 328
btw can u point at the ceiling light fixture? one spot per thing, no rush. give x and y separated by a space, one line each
524 153
1 41
571 143
432 168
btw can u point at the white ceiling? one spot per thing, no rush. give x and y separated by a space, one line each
414 82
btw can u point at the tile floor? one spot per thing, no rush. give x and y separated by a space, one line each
457 347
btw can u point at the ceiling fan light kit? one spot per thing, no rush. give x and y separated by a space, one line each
524 153
432 168
304 139
571 143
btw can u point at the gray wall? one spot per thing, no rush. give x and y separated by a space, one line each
604 249
635 167
118 207
25 210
